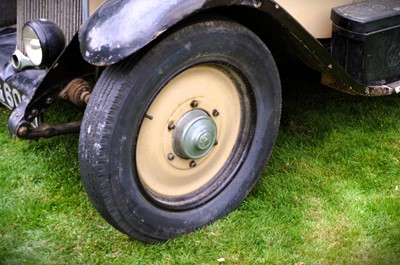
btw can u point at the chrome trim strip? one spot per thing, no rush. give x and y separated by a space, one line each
85 10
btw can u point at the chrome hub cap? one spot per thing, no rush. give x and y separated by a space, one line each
195 135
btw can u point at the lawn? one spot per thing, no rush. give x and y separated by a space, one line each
329 195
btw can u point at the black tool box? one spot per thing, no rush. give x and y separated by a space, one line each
366 40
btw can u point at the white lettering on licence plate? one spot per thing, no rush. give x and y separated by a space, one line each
10 97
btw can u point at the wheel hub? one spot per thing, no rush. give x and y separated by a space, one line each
176 155
194 135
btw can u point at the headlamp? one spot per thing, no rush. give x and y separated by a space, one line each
43 41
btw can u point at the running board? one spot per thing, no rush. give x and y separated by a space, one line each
371 91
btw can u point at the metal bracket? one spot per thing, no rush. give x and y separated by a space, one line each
47 130
384 90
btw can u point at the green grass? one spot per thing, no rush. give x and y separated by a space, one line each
330 195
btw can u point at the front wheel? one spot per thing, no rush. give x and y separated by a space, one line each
176 139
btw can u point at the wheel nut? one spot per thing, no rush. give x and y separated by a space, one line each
194 104
193 164
171 156
215 113
171 126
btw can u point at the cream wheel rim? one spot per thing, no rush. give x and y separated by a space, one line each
208 93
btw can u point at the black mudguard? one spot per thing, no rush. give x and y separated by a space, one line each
121 27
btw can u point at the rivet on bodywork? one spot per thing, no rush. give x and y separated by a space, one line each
34 112
193 164
49 100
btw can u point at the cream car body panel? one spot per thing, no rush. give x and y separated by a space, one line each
314 15
93 5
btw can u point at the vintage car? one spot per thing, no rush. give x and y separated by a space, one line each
181 98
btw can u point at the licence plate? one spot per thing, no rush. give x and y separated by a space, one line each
11 98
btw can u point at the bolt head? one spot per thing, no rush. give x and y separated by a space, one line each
194 104
23 131
215 113
49 100
193 164
171 126
35 112
171 156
